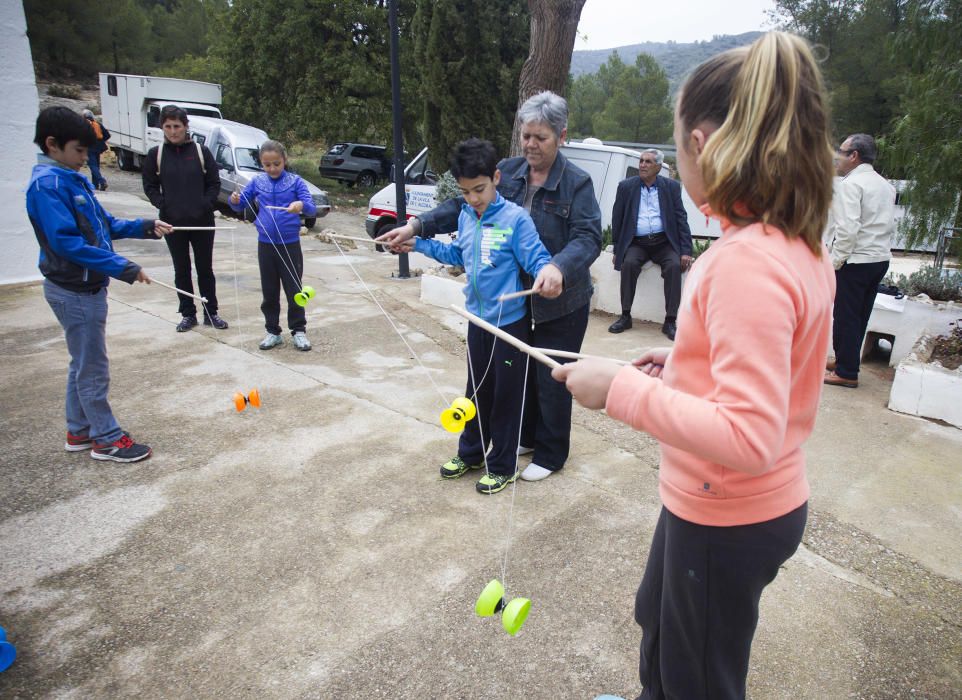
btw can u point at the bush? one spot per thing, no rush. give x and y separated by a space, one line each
948 348
699 246
69 91
938 285
447 188
606 238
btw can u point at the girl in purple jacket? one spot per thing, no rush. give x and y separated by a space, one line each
280 198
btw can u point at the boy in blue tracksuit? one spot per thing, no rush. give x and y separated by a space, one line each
496 240
77 261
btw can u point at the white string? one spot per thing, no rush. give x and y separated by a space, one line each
233 256
444 401
514 486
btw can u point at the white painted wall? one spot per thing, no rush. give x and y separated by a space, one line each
18 263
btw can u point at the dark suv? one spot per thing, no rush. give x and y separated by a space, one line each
352 163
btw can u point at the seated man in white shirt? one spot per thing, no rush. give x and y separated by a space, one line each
861 228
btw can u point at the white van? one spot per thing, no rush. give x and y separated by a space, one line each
607 166
236 149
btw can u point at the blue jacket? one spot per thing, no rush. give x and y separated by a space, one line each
568 220
274 225
493 250
75 232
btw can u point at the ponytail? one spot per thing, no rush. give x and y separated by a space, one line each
770 159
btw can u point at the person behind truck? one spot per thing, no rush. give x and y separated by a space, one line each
561 200
77 260
280 197
95 149
180 179
649 222
734 401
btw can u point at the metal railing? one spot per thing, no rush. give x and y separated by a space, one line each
946 236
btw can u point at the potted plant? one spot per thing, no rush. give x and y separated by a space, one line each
928 381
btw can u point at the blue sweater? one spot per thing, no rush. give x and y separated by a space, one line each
75 232
274 225
493 250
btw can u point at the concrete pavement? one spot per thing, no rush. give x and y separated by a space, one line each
308 549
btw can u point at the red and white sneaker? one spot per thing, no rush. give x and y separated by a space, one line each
123 450
77 443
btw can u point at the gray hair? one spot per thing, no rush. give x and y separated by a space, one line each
864 145
547 108
659 156
87 114
274 147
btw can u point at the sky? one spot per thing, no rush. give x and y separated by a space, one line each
611 23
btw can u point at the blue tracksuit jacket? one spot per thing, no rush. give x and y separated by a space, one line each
493 250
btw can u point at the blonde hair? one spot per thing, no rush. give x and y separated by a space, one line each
770 159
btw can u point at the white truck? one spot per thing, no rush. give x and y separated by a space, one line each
607 165
131 107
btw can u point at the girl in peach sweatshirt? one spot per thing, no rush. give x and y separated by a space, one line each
734 400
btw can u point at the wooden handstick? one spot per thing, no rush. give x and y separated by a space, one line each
203 228
515 295
271 206
506 337
580 356
179 291
352 238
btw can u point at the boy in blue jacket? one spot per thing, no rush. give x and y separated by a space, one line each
496 240
77 261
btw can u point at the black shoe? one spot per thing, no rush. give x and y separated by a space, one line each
622 324
186 323
215 321
669 328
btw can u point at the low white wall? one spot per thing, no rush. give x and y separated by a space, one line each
927 390
17 123
908 319
649 302
441 290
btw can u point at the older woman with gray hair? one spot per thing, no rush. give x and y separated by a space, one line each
561 200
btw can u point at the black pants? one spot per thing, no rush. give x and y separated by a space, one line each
180 243
547 412
658 249
855 290
497 398
276 270
698 602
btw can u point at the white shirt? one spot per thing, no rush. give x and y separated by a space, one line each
862 218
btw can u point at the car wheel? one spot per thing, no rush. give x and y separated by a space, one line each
309 222
125 159
381 229
366 179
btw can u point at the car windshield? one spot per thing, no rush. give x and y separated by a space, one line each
248 159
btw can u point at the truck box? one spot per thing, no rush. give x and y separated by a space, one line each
131 107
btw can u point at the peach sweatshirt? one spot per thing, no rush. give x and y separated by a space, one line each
739 393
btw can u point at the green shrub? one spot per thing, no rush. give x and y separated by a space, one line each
939 285
699 246
447 188
69 91
606 238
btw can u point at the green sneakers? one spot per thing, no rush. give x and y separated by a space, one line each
456 467
492 483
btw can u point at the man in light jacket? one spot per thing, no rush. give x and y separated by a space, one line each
861 227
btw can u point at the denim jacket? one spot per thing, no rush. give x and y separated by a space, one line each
568 220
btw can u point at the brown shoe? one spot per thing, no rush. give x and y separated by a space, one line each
835 380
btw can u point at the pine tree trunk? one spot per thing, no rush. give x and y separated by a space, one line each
554 26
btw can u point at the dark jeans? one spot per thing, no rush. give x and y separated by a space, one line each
500 382
658 249
275 272
180 244
547 410
698 602
83 317
855 290
93 162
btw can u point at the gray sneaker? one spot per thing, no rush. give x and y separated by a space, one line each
271 341
300 341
